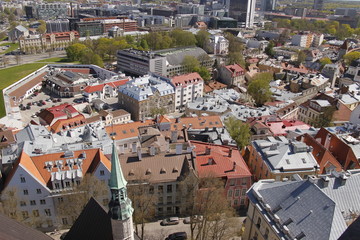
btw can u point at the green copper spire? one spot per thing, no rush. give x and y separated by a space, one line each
117 180
119 205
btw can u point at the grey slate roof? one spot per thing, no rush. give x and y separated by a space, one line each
347 196
281 155
301 206
13 230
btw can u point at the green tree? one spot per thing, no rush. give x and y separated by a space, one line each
202 39
182 38
238 131
42 28
259 88
325 60
190 63
236 58
269 50
204 73
301 57
344 31
97 60
86 56
74 51
349 57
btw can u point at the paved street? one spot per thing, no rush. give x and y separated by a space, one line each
23 59
154 231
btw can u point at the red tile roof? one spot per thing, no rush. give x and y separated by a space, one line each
62 34
63 111
235 69
222 165
186 79
96 88
99 87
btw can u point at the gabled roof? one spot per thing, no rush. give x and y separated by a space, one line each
185 79
234 69
62 110
303 207
68 123
36 166
221 164
100 87
13 230
93 223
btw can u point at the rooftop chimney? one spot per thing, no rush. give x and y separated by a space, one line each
234 166
207 151
230 153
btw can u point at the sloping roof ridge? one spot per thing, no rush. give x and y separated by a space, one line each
26 162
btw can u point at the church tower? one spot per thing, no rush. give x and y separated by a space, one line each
120 209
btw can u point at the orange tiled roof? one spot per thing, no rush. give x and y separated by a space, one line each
35 165
70 122
197 122
26 162
126 130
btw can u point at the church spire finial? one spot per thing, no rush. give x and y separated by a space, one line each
117 180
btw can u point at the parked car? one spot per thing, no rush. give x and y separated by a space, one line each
193 219
177 236
78 100
28 107
170 221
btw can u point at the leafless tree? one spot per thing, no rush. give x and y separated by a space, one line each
142 195
209 202
9 204
72 202
18 59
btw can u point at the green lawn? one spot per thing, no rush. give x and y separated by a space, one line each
13 46
13 74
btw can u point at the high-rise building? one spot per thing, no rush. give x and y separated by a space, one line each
243 11
318 4
267 5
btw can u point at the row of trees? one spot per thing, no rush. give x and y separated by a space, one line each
331 27
106 48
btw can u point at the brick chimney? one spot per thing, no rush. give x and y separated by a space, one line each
207 151
230 153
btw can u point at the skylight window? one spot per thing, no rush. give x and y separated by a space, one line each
124 131
287 161
303 160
